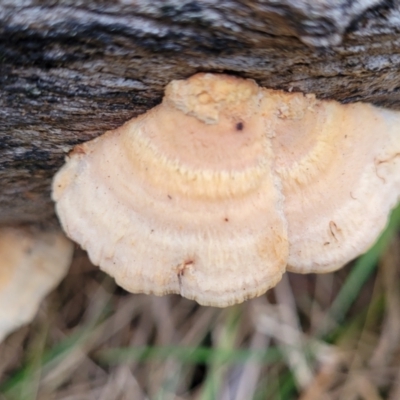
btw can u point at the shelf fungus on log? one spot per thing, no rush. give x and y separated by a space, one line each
32 263
217 191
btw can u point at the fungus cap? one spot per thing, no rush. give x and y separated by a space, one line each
340 174
213 192
32 263
171 201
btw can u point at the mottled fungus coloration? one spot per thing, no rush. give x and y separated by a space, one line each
217 191
32 263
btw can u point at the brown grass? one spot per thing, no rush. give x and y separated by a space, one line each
93 341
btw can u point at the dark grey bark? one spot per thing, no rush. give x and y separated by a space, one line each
70 71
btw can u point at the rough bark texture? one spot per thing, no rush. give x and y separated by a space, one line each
70 71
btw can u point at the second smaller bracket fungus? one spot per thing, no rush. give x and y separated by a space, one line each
215 191
340 172
32 263
182 199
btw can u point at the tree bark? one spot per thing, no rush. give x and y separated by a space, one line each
69 71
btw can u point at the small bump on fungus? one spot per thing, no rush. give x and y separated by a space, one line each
217 191
32 263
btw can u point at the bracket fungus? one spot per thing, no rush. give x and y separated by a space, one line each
32 263
217 191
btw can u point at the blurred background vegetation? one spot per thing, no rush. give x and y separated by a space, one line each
313 337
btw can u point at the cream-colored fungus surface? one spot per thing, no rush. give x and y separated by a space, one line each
32 263
217 191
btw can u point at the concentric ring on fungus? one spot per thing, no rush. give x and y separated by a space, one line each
214 192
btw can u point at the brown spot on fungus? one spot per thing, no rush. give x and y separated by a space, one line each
285 178
183 267
78 149
239 126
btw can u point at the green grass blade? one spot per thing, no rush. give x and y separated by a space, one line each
362 270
